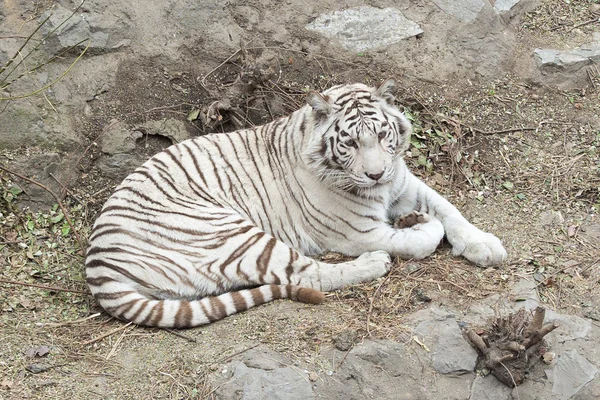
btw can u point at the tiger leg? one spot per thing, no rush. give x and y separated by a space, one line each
477 246
271 261
411 242
328 277
249 269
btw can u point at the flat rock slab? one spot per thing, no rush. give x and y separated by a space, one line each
489 388
170 128
75 29
116 138
463 10
505 5
571 373
262 374
383 369
450 353
365 28
550 60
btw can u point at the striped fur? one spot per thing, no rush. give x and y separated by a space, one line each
220 223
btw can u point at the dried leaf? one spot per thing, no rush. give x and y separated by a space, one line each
7 384
193 115
420 343
43 351
11 236
26 303
37 368
39 351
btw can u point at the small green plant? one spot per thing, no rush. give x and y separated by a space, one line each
425 138
11 193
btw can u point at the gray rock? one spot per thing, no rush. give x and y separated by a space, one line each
118 166
450 352
489 388
365 28
571 327
591 391
27 123
263 358
551 218
550 60
453 354
450 387
260 377
593 313
383 369
505 5
116 138
39 166
169 128
571 372
463 10
345 340
379 369
70 29
591 232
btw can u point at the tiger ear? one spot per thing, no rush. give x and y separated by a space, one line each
386 89
318 102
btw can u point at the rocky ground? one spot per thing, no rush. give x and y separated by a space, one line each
504 98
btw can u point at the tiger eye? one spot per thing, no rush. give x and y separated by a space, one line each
352 143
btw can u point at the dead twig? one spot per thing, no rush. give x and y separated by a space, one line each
203 82
103 336
228 358
500 131
58 201
591 21
45 287
370 310
65 189
175 333
59 324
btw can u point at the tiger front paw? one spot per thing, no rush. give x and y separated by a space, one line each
423 233
374 263
411 219
481 248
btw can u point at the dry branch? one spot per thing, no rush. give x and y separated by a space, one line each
508 348
105 335
52 288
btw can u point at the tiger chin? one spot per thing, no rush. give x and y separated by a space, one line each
220 223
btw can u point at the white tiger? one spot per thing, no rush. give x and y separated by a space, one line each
220 223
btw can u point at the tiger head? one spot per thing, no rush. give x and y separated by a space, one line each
358 135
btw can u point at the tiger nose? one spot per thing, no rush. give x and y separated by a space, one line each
375 177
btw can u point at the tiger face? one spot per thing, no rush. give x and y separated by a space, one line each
358 135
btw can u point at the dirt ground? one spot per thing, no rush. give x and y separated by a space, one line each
518 159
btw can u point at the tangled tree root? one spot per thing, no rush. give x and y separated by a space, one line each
508 347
